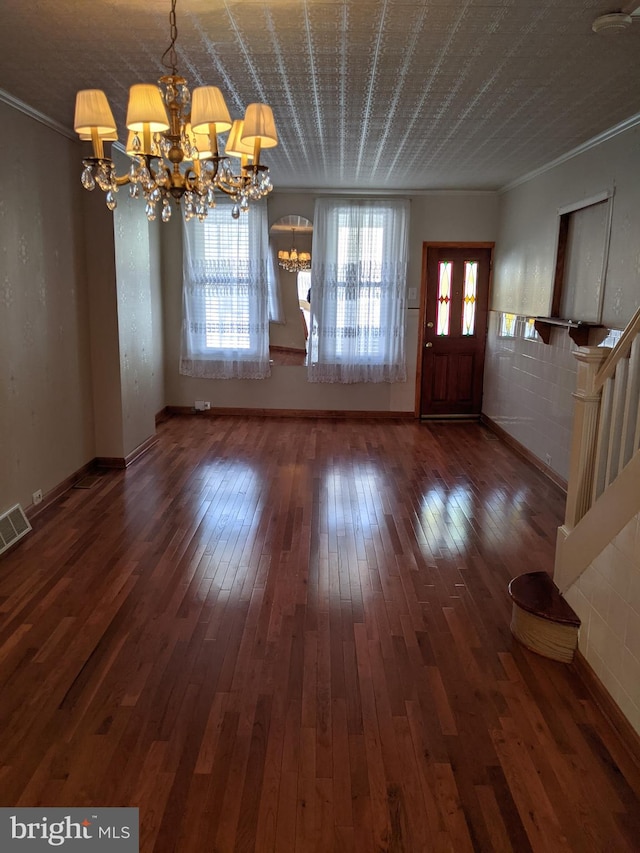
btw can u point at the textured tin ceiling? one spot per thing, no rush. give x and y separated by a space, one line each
367 94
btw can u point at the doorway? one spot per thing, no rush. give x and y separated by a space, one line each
453 328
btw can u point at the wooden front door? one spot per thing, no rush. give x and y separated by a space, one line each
454 318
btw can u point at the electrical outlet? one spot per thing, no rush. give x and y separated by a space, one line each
200 406
37 497
207 405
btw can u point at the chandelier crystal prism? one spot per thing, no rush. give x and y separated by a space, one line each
173 144
293 260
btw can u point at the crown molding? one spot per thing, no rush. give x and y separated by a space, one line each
365 193
616 130
612 132
19 105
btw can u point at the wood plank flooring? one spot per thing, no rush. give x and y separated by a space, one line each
293 635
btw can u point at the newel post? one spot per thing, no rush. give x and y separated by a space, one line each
585 434
583 452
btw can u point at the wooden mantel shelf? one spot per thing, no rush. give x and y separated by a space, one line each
578 331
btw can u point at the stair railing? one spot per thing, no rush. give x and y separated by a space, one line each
606 437
606 430
619 430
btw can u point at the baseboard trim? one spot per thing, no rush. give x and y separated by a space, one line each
163 415
522 451
295 350
291 413
69 482
602 699
51 497
444 418
121 462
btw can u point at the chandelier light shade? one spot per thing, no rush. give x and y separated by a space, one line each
235 147
201 147
173 144
259 126
105 137
93 113
293 260
145 110
207 108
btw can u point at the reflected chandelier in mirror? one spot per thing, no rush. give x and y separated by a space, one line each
293 260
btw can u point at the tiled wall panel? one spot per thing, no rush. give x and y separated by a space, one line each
527 390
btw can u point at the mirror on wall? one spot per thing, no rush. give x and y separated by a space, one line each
290 238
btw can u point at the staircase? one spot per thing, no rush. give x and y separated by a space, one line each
604 474
603 493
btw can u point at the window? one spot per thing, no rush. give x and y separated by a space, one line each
469 299
507 326
358 285
516 326
444 298
226 272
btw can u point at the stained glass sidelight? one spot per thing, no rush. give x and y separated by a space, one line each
469 302
444 297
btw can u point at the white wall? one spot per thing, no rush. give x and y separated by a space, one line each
527 237
46 417
437 216
59 318
156 390
528 384
140 358
123 278
607 599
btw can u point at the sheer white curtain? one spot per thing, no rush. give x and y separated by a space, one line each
358 290
226 271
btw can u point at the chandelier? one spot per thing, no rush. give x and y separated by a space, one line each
173 144
293 260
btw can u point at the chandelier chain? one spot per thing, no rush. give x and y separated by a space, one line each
172 62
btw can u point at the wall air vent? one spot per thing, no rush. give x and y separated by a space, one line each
13 526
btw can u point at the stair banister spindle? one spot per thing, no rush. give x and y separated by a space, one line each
601 448
617 417
631 425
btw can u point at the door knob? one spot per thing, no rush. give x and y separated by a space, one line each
429 325
429 344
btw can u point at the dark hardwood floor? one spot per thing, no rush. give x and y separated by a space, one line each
293 635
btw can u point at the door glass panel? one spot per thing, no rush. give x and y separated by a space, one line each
444 297
469 303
